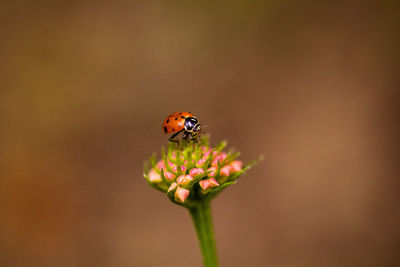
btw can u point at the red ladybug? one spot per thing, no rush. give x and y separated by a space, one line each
182 121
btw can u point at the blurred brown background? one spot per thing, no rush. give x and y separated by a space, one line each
85 86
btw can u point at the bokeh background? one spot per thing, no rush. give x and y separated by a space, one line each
312 85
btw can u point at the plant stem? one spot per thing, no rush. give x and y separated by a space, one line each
201 215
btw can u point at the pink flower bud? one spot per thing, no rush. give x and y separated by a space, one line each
184 179
169 175
200 162
213 169
226 170
154 177
213 182
172 187
160 165
183 168
236 165
219 158
171 164
196 171
209 183
181 194
207 154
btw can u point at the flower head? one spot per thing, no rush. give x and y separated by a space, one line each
194 172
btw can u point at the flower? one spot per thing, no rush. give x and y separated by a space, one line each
194 172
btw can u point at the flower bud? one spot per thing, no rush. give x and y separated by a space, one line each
197 166
184 179
207 154
169 175
200 162
175 168
173 156
213 169
154 177
226 170
236 165
172 187
219 158
181 194
160 165
209 183
196 171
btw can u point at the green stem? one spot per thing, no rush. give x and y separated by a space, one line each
201 215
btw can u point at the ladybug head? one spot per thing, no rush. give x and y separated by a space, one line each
192 125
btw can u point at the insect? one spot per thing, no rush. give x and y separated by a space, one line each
179 122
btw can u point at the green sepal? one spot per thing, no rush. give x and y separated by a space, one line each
231 157
146 167
200 176
218 189
165 180
189 164
171 194
252 163
169 169
236 175
153 161
221 146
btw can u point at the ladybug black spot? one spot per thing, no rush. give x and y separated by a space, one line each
167 120
176 119
180 113
165 129
173 129
182 117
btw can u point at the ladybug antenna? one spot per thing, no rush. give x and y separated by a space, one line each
202 128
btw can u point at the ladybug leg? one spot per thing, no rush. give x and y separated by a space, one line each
171 139
193 138
185 135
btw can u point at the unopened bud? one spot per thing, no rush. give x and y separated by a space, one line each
226 170
181 194
183 168
213 171
160 165
196 171
219 158
209 183
169 175
184 179
236 165
154 177
200 162
172 187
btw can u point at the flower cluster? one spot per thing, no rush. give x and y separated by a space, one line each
194 172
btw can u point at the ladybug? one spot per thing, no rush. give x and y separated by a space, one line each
182 121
